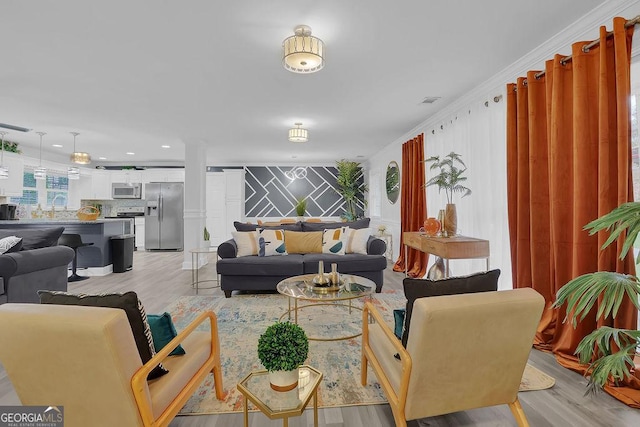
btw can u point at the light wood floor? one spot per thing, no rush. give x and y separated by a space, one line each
158 279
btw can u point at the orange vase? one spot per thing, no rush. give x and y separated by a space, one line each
431 226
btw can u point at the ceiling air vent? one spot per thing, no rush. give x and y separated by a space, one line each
430 99
12 127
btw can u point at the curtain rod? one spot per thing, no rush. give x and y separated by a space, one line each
587 47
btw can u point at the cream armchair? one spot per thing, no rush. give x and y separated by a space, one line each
463 352
86 359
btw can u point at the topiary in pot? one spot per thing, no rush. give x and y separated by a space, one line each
282 348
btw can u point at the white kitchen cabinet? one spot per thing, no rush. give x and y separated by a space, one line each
234 198
139 222
163 175
127 176
12 186
100 185
216 207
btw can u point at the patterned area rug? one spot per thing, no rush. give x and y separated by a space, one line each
241 320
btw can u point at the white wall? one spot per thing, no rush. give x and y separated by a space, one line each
478 133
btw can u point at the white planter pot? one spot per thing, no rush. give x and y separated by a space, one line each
283 380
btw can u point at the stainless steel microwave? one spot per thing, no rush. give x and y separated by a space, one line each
123 190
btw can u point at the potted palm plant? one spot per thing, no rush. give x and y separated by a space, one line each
282 348
449 178
608 351
351 187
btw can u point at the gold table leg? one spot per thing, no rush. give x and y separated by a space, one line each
315 408
246 412
285 422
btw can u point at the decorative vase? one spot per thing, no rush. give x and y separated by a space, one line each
451 220
436 272
441 233
321 279
431 226
283 380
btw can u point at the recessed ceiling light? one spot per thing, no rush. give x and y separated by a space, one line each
129 153
430 99
56 145
165 146
102 158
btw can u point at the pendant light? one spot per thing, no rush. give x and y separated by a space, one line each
78 156
4 171
73 172
40 172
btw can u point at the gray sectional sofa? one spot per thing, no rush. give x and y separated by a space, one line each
38 264
255 273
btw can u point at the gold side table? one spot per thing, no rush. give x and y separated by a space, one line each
195 268
278 404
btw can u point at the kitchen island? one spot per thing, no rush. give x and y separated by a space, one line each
97 257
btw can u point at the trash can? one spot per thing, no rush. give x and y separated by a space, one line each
122 252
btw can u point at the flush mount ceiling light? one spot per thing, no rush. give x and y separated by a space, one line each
298 134
303 53
40 172
78 156
4 171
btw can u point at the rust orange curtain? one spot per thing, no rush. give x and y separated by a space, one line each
568 162
413 204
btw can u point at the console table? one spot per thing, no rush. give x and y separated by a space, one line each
456 247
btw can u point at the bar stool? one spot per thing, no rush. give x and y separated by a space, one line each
74 241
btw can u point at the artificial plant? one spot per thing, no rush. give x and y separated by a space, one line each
351 187
450 175
283 347
301 206
608 289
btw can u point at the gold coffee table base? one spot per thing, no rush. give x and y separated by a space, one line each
297 308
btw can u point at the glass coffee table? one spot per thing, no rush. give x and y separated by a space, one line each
300 288
278 404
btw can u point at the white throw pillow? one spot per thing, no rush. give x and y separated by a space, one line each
334 241
246 241
357 241
8 242
271 242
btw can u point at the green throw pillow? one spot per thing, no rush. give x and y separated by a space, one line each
163 331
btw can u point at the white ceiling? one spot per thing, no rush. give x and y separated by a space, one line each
133 75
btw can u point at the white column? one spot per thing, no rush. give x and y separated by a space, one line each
195 213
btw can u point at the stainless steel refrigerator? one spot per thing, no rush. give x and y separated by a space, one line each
164 216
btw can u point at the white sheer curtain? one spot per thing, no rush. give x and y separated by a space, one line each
478 134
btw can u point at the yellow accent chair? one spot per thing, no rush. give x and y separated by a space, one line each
463 352
86 359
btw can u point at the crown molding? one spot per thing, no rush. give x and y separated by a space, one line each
585 28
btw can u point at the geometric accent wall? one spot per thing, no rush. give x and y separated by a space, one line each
270 191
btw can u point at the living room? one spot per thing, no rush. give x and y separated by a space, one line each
470 120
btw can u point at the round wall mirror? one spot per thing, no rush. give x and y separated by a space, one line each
393 182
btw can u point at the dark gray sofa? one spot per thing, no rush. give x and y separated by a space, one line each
254 273
40 264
